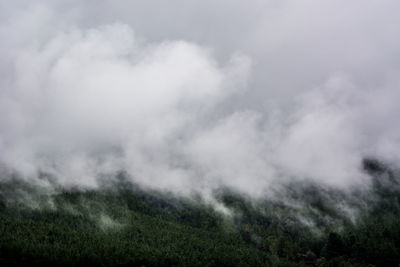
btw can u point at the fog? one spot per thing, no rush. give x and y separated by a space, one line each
189 97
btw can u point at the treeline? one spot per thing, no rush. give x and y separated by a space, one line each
122 225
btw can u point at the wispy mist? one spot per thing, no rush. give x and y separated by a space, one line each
190 97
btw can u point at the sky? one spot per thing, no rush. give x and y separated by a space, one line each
191 96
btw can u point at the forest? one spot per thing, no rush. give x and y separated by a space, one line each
121 224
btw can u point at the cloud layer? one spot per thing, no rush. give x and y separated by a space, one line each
201 95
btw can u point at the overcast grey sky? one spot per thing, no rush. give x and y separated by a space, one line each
188 96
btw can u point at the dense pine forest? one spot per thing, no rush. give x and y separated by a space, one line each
121 224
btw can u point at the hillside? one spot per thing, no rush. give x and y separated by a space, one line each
120 224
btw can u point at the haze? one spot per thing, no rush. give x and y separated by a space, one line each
191 96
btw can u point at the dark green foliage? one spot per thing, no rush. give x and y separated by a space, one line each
334 246
120 228
122 225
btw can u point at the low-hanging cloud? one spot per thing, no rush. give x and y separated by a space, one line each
83 96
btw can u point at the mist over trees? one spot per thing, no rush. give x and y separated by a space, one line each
208 133
122 224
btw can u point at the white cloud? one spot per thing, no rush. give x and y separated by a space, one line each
219 94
